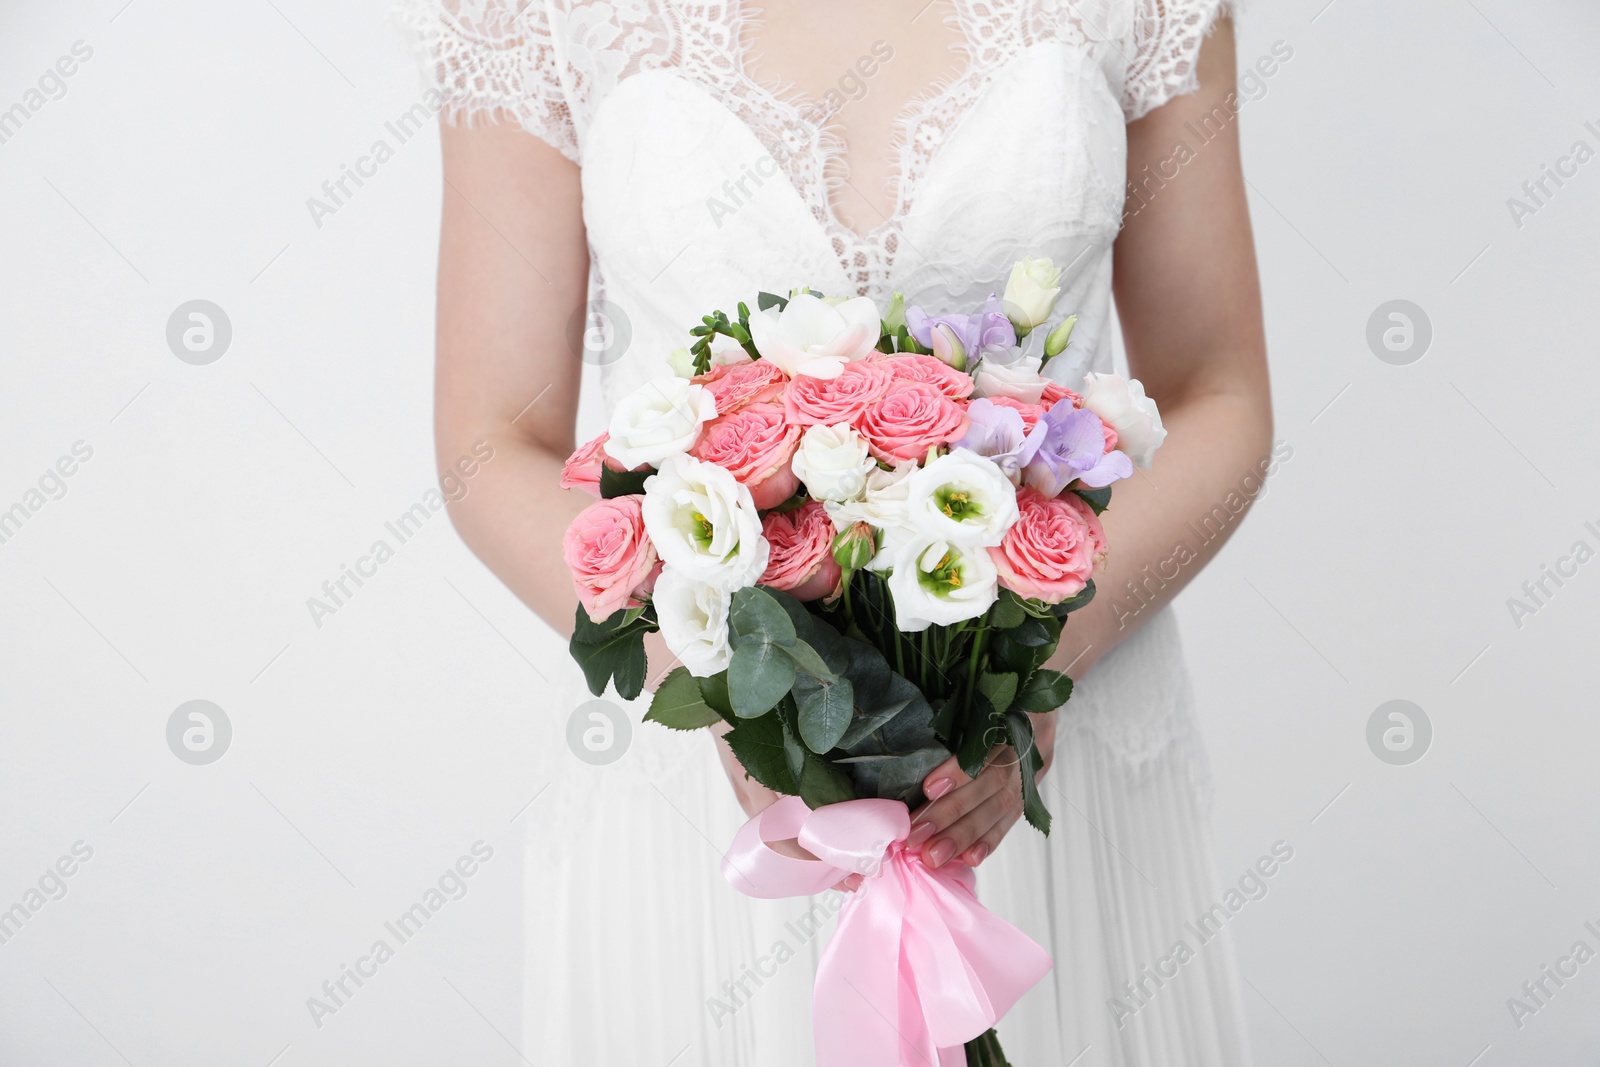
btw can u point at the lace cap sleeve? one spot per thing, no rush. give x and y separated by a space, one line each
493 58
1166 37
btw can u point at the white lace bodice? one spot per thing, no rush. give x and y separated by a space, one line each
702 187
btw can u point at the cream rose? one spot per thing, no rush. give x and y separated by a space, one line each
1031 292
811 336
1122 404
659 419
833 463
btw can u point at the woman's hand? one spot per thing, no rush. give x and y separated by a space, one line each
965 818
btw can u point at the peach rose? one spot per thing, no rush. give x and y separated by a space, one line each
909 418
812 401
737 385
1054 391
801 563
613 563
1031 413
1053 548
913 366
582 469
755 445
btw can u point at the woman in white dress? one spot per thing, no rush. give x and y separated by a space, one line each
622 168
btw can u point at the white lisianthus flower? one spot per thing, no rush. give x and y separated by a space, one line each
694 622
1122 404
659 419
936 583
963 498
704 524
883 507
1020 379
833 462
811 336
1031 292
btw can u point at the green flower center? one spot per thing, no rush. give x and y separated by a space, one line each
700 529
944 577
957 504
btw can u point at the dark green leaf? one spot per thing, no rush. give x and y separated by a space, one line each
1045 691
824 711
768 300
714 691
985 730
757 616
808 660
1000 689
823 783
1073 604
944 716
900 777
1020 729
758 743
607 650
1098 499
621 483
760 675
678 704
1007 611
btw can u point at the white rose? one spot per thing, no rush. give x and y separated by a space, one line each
661 418
883 507
694 622
833 462
936 583
1121 403
704 524
811 336
1019 380
963 498
1031 292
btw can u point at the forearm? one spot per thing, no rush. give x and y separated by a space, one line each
1166 523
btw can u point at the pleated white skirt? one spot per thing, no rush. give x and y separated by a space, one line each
639 953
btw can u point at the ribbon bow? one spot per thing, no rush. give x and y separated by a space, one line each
918 967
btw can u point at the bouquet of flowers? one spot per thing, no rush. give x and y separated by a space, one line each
860 533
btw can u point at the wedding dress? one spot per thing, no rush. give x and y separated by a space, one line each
702 187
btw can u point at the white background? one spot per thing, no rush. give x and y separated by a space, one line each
372 751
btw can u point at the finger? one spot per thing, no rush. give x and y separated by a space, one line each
941 780
989 841
965 832
934 817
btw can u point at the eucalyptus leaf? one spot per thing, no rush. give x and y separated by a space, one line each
824 711
756 616
759 675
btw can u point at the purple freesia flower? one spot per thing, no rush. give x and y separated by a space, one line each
996 432
988 329
1073 449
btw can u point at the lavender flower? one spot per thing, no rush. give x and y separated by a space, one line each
997 433
978 334
1073 449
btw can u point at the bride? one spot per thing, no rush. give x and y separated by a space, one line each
612 170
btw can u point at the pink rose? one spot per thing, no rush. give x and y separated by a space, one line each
613 563
813 401
801 563
755 445
1053 548
1031 413
582 469
1054 391
913 366
738 385
1110 435
908 419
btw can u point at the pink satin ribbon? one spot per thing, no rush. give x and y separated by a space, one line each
918 967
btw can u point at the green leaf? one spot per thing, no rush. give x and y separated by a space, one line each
768 300
714 691
758 743
823 783
759 675
1020 729
1045 690
1007 611
1098 499
1074 603
1000 689
757 615
900 777
985 729
621 483
811 662
824 711
678 704
944 717
607 650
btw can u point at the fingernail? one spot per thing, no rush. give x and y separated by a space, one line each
977 854
940 854
920 833
939 787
